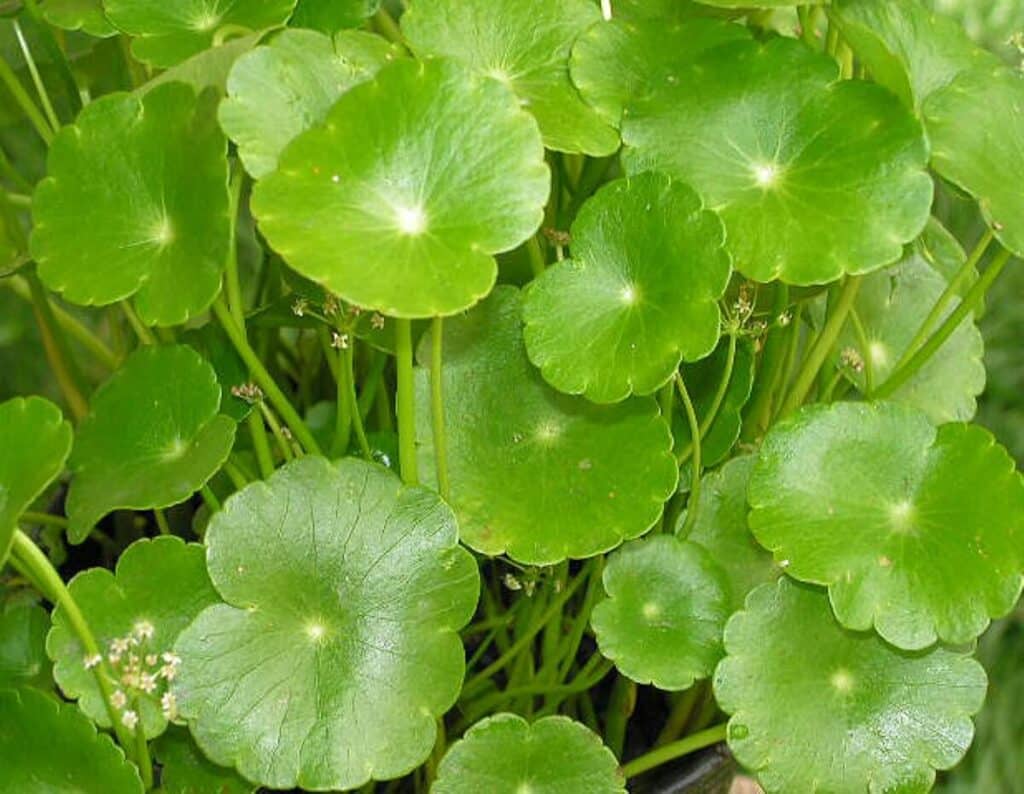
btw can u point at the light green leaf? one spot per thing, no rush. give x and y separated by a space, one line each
666 608
338 646
48 747
761 3
135 202
84 15
535 474
616 63
207 69
703 380
909 49
967 151
23 659
639 294
281 89
160 582
166 33
330 16
524 44
890 307
399 201
36 442
813 176
840 711
915 530
152 438
721 529
505 754
185 770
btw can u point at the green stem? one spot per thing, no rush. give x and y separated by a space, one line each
41 92
161 522
260 443
210 498
437 407
56 349
141 331
823 345
691 416
142 758
57 55
277 432
44 518
347 370
621 703
342 404
759 414
53 588
670 752
28 107
263 380
406 402
387 27
952 289
719 398
481 678
67 322
680 714
968 305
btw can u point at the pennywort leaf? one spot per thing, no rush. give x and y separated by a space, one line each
400 199
336 648
916 530
135 204
152 438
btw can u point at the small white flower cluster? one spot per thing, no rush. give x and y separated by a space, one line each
249 392
850 358
138 671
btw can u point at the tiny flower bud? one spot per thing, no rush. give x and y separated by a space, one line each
339 341
118 700
130 719
377 321
299 307
92 661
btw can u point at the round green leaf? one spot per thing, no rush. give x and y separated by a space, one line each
813 176
908 48
915 530
185 770
135 202
890 307
524 44
505 754
965 151
399 201
703 380
721 529
639 294
167 33
615 63
46 747
338 646
162 582
535 474
152 438
84 15
666 608
36 442
818 708
330 16
283 88
23 659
